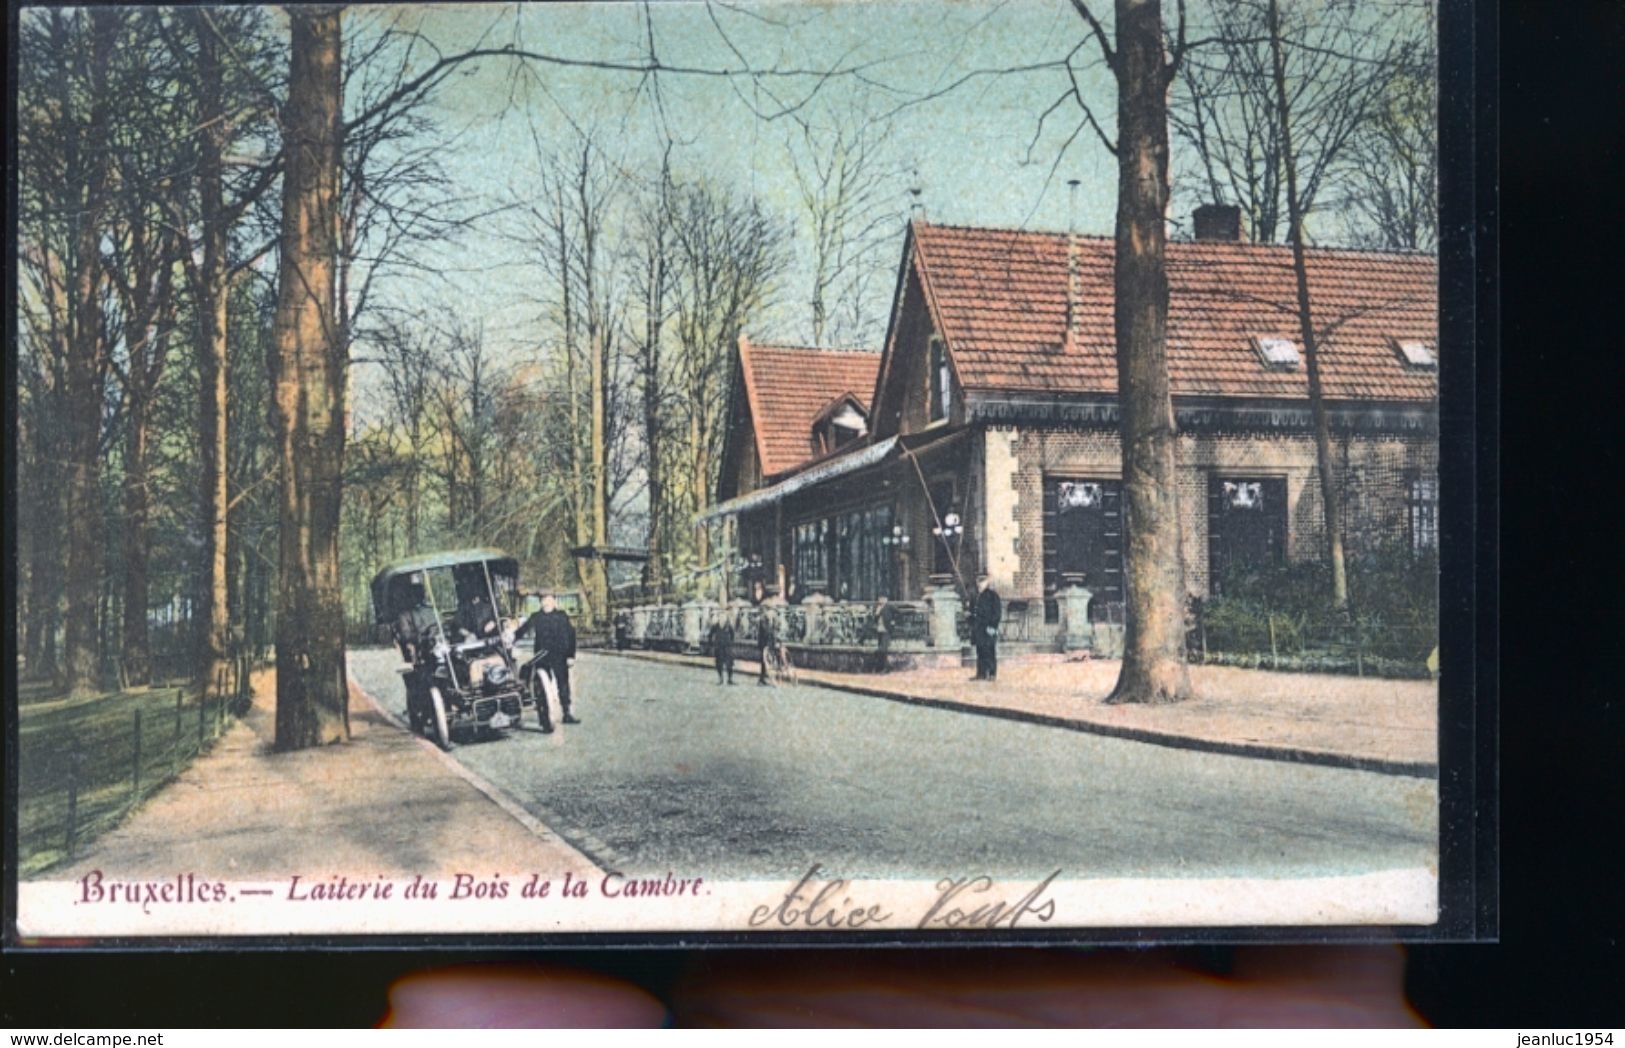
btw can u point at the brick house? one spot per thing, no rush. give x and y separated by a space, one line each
989 436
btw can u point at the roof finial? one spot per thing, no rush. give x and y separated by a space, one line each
916 189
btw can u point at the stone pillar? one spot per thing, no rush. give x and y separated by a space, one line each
814 607
693 624
638 627
1001 503
1076 631
944 621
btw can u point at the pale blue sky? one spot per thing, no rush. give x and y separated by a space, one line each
974 148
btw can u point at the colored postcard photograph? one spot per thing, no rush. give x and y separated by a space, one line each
751 470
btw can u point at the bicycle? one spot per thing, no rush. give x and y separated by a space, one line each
780 670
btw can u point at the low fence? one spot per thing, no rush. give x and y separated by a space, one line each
843 624
839 633
84 765
846 634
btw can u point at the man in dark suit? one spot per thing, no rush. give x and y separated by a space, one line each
884 618
985 612
555 645
416 622
766 639
722 644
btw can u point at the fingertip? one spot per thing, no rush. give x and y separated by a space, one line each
517 997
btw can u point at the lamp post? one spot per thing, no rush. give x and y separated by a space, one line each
949 531
898 542
748 568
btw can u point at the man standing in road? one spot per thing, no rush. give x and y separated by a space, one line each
766 639
985 613
554 641
883 624
722 644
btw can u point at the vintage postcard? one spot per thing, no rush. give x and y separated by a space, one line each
755 471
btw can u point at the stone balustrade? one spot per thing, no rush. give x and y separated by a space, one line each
833 633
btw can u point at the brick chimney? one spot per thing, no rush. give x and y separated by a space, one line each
1218 222
1069 333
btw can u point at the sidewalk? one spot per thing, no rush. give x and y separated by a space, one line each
386 803
1388 726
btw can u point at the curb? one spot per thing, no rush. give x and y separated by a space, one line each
600 858
1252 750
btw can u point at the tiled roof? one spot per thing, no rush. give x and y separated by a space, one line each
1000 298
788 386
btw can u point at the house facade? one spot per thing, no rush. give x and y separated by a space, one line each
988 439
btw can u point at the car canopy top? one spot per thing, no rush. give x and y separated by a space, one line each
496 562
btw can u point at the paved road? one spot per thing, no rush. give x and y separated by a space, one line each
670 771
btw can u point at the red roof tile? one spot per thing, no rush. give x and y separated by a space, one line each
1000 299
788 386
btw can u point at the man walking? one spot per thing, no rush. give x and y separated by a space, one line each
554 642
722 645
985 613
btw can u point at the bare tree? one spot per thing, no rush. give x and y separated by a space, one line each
307 368
223 61
142 261
1329 493
1273 115
652 278
851 211
1392 175
65 136
568 235
409 373
729 255
1154 635
1339 60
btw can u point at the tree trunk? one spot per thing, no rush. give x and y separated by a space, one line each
210 290
600 466
44 509
307 380
86 377
702 497
1154 588
135 646
651 437
412 469
1329 495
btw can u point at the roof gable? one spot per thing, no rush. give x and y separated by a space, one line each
787 389
999 300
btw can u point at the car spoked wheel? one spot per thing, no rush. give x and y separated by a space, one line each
442 729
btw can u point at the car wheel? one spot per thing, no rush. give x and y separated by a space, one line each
442 730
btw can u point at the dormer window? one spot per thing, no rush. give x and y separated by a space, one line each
1417 354
1278 354
839 424
942 382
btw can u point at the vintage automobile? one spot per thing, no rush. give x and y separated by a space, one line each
452 615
